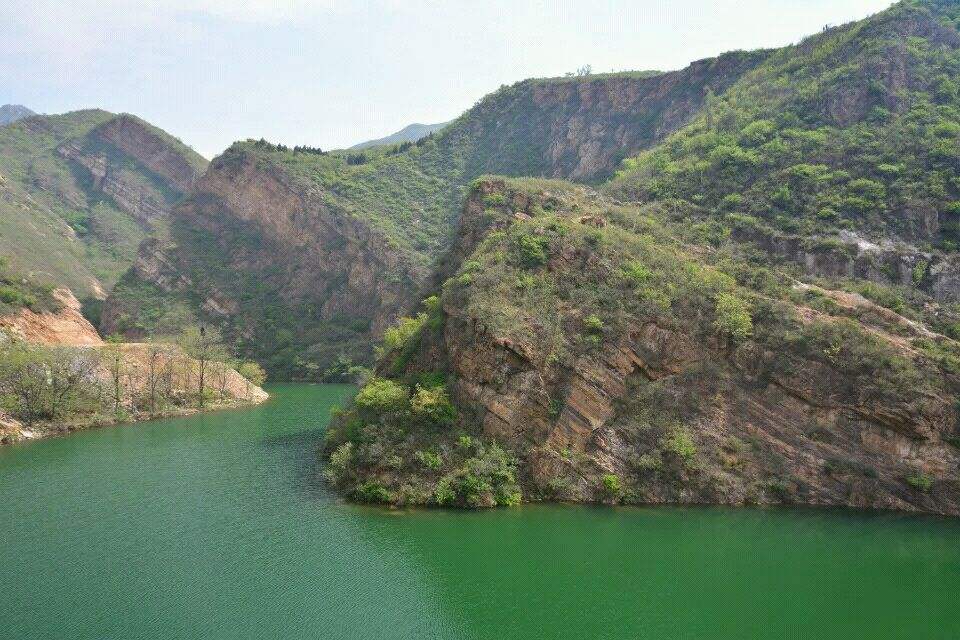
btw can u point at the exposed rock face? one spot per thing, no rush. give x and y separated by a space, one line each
321 256
798 428
145 200
850 255
757 425
285 242
580 129
65 327
140 141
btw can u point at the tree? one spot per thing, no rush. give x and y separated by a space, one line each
23 382
709 102
254 374
203 344
111 355
158 370
72 376
221 376
41 383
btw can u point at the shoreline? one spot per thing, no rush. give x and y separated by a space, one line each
13 432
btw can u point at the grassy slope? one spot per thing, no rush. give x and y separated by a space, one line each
53 222
854 128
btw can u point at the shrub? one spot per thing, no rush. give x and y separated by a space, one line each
486 480
593 324
733 317
430 460
919 481
373 492
612 487
339 462
399 336
381 395
433 406
636 273
680 443
531 251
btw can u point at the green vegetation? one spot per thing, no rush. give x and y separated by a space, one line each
39 383
817 140
612 487
394 430
573 277
51 201
920 481
18 291
80 386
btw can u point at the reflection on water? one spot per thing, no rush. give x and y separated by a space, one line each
218 526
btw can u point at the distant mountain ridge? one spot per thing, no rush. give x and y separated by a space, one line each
410 133
12 112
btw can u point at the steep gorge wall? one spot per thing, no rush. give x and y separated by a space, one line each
337 248
581 128
767 422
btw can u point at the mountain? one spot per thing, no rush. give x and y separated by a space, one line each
13 112
80 191
410 133
760 307
306 257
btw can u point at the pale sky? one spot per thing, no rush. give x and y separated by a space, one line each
331 73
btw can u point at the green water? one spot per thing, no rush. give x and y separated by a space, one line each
214 526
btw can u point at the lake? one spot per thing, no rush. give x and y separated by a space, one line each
217 526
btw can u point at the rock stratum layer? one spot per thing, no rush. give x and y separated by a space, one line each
346 240
80 191
618 363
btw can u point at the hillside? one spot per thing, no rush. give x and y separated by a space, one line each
761 308
840 154
410 133
13 112
305 257
584 350
80 191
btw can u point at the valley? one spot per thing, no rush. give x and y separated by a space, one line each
733 283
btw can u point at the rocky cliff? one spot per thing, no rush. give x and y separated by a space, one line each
618 363
80 191
306 257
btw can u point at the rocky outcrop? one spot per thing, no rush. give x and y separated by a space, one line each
813 409
581 128
851 255
106 151
250 240
154 150
64 327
